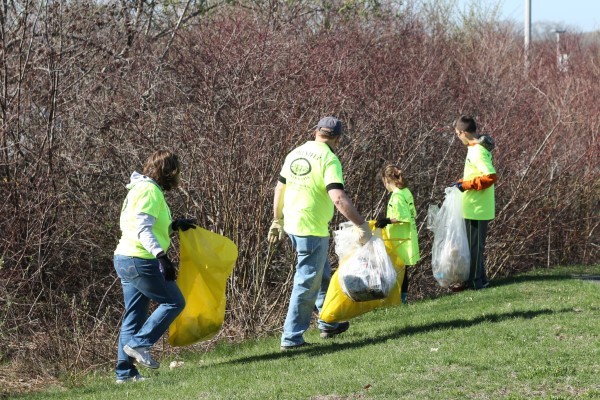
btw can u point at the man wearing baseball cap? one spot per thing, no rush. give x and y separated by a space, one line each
310 185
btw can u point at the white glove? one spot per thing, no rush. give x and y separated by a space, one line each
364 233
276 231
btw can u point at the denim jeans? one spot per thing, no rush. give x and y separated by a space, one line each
311 281
142 281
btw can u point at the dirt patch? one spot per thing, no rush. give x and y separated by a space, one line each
13 382
337 397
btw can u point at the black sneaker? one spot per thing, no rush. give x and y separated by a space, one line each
329 333
294 347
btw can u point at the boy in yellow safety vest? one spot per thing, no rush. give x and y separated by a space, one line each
478 181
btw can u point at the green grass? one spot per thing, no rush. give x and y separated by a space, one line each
532 336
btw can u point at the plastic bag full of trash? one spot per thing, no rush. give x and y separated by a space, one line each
450 255
367 273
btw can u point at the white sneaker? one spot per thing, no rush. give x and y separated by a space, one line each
142 356
135 378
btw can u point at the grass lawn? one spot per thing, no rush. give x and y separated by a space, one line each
534 336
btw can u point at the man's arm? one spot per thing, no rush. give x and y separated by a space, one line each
344 205
278 201
276 229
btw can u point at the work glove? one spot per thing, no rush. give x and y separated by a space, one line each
183 224
276 231
364 233
382 222
166 267
458 185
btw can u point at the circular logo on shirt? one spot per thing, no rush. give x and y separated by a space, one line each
300 166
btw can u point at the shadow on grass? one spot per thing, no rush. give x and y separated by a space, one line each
515 280
409 330
529 278
591 278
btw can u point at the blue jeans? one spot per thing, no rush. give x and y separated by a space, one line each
311 281
142 281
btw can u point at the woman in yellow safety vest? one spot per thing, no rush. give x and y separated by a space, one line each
141 262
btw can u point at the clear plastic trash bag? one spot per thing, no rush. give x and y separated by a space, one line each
338 307
367 272
450 256
346 241
432 213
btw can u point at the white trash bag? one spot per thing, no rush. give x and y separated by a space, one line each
432 213
450 255
366 272
346 241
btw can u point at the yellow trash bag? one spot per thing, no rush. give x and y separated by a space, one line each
338 307
206 261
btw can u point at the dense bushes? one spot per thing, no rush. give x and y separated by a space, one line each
86 96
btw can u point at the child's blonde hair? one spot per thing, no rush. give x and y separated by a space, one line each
394 175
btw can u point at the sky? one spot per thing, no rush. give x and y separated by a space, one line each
581 14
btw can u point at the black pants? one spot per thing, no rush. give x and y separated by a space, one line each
405 281
476 233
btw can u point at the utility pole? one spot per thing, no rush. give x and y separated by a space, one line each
561 59
527 34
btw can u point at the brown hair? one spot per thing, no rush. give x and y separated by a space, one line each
163 168
394 174
464 123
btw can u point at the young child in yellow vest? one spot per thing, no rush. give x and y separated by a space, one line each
400 220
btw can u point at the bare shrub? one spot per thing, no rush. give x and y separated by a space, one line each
88 91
